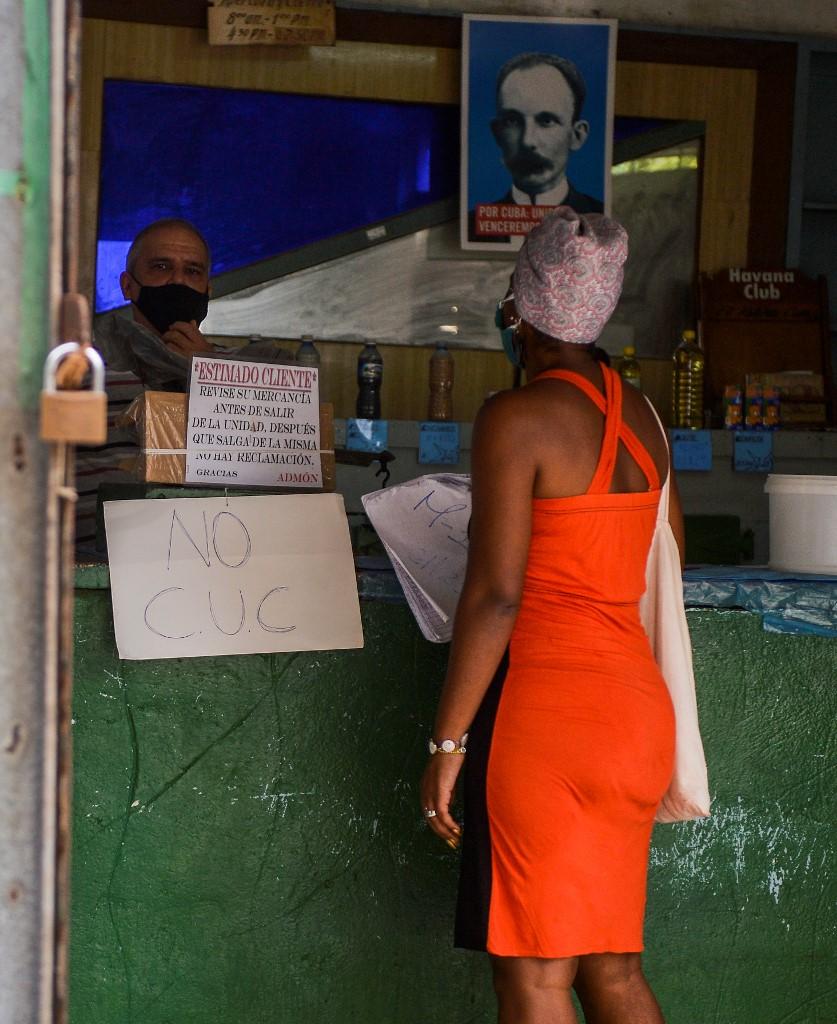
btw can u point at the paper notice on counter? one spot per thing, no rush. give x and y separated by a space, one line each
192 577
423 525
253 424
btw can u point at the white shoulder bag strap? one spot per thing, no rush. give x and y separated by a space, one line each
664 618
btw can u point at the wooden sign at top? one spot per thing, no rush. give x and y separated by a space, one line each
763 322
271 22
739 293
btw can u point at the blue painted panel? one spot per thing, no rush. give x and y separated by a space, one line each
262 173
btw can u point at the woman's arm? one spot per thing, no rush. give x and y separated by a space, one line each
502 478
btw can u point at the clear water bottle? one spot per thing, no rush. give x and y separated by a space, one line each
370 373
440 405
629 369
687 379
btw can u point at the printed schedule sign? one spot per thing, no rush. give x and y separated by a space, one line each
277 22
253 424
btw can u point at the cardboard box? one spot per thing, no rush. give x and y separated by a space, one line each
792 384
800 414
158 420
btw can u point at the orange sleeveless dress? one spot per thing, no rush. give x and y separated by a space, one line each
573 746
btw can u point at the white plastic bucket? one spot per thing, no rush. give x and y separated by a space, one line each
803 522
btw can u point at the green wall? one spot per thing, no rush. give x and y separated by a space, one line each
248 847
30 185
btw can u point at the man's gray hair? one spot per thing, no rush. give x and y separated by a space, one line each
572 76
164 222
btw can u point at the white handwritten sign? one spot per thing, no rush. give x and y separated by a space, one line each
238 575
253 424
423 525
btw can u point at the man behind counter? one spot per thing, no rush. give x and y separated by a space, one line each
166 280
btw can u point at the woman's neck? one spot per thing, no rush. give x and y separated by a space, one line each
562 356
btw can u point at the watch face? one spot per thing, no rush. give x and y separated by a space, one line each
448 746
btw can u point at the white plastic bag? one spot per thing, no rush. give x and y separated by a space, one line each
664 618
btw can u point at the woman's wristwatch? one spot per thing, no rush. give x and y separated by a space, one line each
448 746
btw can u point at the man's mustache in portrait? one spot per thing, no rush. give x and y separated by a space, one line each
528 163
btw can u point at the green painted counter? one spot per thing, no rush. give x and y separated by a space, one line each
248 847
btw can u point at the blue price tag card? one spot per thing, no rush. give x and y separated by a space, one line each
366 435
691 449
753 451
438 443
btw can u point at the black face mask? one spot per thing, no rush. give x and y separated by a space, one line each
165 304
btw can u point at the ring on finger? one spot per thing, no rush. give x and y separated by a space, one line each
429 812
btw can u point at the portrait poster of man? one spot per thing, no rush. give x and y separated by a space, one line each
537 123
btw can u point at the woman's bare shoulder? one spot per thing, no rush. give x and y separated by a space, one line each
509 415
639 411
642 418
503 405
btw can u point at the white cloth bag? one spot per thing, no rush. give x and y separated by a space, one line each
664 618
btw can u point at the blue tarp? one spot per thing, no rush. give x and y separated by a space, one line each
804 603
800 603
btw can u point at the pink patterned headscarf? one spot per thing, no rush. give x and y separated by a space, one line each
569 274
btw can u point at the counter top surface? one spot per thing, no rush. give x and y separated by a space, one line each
802 603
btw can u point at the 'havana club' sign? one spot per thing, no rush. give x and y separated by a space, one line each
761 284
742 293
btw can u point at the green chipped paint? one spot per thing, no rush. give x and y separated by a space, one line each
92 577
248 847
13 184
31 186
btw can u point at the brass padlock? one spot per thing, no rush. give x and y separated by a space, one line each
74 417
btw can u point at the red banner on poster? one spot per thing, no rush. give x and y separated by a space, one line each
493 219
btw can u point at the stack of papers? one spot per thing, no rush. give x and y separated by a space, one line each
423 524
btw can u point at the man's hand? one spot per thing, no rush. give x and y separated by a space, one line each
185 339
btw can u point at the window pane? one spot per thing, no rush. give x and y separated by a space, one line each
656 198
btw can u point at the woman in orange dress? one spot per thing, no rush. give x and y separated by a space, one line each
551 685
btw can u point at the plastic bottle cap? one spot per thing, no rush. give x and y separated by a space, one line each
629 350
